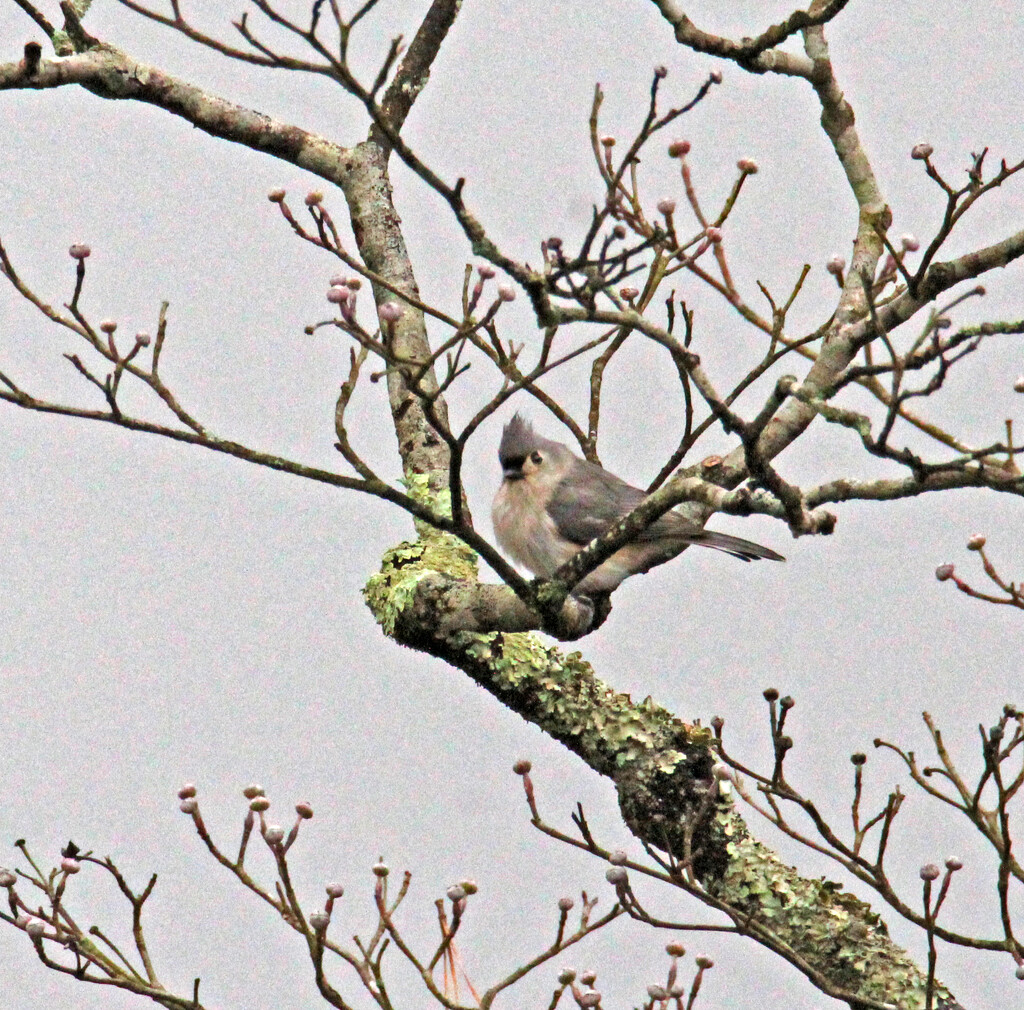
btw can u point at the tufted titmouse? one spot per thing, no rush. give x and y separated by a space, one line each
551 503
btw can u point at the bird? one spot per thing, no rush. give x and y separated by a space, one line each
551 503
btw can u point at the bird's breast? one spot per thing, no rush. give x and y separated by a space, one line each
524 529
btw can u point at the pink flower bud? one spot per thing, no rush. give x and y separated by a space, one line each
909 243
836 265
251 792
79 251
274 834
313 198
629 293
304 810
335 890
666 207
976 542
616 875
187 791
953 864
589 999
506 292
143 339
455 892
675 949
522 767
588 977
338 295
69 865
929 871
564 904
657 992
716 76
486 271
22 920
390 312
7 879
679 149
276 195
566 976
319 921
919 152
608 141
714 234
338 281
108 326
747 165
618 857
944 572
189 806
258 804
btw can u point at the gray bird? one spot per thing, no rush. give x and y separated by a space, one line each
551 503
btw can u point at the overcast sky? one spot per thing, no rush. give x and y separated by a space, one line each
168 615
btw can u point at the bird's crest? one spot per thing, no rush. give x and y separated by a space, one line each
518 440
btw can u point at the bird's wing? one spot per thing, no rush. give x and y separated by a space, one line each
589 500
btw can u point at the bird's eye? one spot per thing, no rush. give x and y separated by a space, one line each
536 458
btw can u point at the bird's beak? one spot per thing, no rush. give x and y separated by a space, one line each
513 473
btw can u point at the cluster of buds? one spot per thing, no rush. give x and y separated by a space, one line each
342 293
585 997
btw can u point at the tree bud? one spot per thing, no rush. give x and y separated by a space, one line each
929 871
335 890
274 834
251 792
716 76
953 864
679 149
666 207
390 312
187 791
714 234
566 976
69 865
617 857
675 949
79 251
304 810
259 804
976 542
456 892
589 999
313 198
564 904
705 963
319 921
108 326
836 265
919 152
1018 386
486 271
747 165
380 869
189 806
616 875
588 977
469 886
276 195
338 295
7 879
909 243
657 992
35 928
944 572
506 292
522 767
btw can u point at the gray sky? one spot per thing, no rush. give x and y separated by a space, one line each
168 615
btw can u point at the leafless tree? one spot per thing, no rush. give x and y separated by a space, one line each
890 334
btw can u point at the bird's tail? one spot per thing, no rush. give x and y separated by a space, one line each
745 550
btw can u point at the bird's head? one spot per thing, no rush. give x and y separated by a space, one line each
523 453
